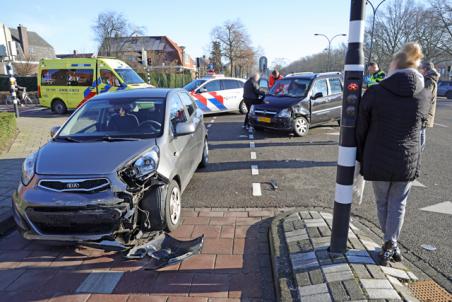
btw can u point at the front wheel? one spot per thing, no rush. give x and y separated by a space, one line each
242 108
59 107
301 126
173 207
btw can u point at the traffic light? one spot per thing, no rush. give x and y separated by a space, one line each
198 63
143 57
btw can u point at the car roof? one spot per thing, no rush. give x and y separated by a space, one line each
220 78
312 75
139 93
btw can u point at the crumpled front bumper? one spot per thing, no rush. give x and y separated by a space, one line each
277 123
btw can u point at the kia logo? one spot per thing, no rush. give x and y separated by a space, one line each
73 185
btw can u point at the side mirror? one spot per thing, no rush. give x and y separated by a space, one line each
54 130
185 128
317 95
202 90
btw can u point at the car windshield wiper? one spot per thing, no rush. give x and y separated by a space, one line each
118 139
67 138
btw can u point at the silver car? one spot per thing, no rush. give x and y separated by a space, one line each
115 170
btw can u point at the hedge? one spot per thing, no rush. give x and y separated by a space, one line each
168 80
7 129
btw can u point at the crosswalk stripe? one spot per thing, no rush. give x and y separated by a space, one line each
252 145
253 155
254 170
444 207
416 183
257 189
441 125
100 282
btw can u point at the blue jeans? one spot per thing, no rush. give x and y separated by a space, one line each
391 198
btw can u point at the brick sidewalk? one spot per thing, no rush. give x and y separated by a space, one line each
34 129
234 266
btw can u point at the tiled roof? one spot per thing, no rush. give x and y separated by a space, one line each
33 38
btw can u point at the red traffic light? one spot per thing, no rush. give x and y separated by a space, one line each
353 86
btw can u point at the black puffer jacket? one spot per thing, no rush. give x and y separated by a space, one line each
251 90
388 128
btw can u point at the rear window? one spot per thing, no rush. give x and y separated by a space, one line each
231 84
66 77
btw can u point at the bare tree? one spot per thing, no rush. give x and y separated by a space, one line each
27 66
443 12
235 42
113 32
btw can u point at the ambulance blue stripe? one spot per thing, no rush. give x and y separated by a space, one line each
202 106
217 104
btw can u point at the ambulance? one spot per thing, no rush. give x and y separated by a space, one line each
68 83
217 93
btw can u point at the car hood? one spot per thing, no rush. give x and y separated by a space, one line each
88 158
278 102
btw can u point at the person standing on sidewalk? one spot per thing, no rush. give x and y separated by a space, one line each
431 77
251 94
275 76
375 74
390 119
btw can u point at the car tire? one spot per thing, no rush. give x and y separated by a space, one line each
205 155
59 107
242 107
173 207
156 209
301 126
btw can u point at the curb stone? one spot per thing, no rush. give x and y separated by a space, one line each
344 277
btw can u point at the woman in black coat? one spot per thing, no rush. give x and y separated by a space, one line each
390 118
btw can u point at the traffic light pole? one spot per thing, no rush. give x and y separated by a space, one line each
353 79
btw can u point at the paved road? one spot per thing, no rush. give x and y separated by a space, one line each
304 169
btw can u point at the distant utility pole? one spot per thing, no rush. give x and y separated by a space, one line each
353 80
330 40
374 10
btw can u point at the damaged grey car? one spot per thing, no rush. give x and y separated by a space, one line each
113 175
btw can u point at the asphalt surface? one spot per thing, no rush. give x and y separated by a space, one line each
305 170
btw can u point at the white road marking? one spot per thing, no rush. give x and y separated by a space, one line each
210 125
212 121
444 207
250 130
333 133
214 117
418 184
243 135
252 145
253 155
254 170
100 282
257 189
251 136
441 125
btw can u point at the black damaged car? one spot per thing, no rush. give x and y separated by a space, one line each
299 101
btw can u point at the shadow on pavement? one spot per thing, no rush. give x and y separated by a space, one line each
234 263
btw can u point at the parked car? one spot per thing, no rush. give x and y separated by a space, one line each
445 89
116 169
218 94
299 101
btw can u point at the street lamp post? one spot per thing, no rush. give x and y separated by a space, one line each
353 80
330 40
374 10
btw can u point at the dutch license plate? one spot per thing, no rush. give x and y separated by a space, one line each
264 119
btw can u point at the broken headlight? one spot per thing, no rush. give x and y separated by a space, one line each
28 169
147 163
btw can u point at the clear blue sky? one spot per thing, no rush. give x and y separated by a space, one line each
282 28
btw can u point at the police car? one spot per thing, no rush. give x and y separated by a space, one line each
217 93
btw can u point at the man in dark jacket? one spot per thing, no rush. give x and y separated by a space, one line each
390 118
251 94
431 77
